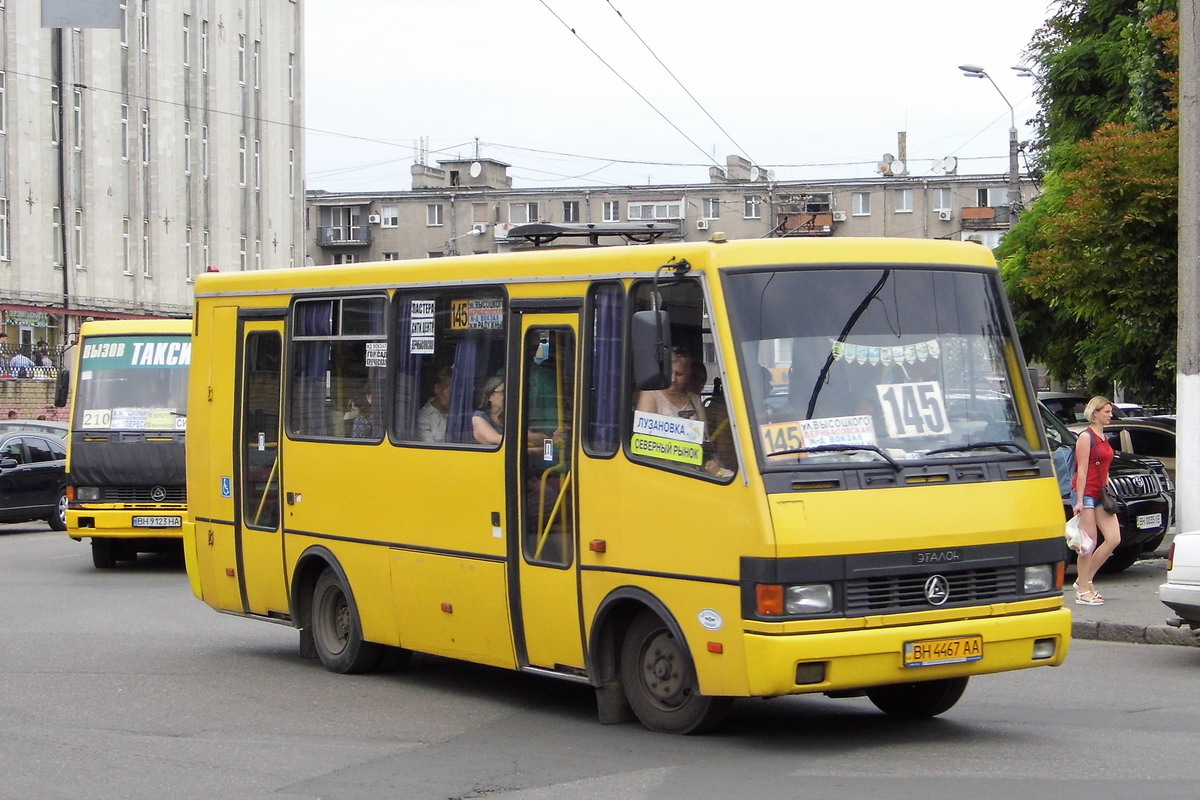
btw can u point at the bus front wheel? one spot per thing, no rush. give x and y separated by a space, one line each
336 629
104 555
917 700
660 681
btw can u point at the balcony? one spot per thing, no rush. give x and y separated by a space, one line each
344 236
807 224
982 217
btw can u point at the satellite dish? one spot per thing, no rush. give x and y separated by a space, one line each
754 173
476 169
949 164
897 167
888 158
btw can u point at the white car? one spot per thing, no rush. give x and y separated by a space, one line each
1181 592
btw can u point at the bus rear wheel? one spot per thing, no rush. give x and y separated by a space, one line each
336 629
917 700
660 681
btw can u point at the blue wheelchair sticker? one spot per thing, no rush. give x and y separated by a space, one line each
226 487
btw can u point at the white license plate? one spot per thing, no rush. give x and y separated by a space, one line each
1149 521
158 522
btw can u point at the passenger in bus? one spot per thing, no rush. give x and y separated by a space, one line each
359 423
431 419
677 400
487 423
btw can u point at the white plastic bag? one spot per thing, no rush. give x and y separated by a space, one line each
1077 538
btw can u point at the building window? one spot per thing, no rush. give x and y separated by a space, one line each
145 248
56 117
291 173
187 40
904 201
144 26
390 217
521 213
433 215
77 119
204 45
127 242
242 59
752 207
943 200
994 197
860 204
187 254
124 132
145 112
257 165
204 248
187 148
257 49
570 211
712 208
77 239
204 151
242 253
3 103
292 256
344 258
989 239
4 230
612 210
241 160
648 212
124 25
391 255
258 254
291 78
56 244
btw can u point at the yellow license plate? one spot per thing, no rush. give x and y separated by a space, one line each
931 652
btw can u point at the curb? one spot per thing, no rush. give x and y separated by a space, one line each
1134 634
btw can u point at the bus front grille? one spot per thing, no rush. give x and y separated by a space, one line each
143 494
898 593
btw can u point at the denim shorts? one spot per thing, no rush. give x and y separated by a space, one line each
1091 502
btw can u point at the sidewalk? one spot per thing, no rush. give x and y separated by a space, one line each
1132 611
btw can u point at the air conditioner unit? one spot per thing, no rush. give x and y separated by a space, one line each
479 227
945 216
374 219
701 224
839 216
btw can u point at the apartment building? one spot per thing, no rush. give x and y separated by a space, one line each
140 143
469 206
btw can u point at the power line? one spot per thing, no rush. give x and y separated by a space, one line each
627 83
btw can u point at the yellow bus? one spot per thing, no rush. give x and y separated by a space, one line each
511 460
127 490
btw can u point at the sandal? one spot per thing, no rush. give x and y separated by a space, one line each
1096 592
1094 599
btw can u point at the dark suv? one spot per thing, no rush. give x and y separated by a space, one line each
1145 495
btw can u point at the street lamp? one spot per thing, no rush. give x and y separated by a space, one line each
451 250
1014 185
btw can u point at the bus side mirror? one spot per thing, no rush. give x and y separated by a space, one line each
651 336
62 388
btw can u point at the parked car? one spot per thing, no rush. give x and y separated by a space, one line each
1181 592
1152 437
1129 410
33 479
1145 495
59 429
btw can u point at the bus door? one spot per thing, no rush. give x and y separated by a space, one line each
257 468
548 627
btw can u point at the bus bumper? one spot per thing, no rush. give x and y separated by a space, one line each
156 523
862 658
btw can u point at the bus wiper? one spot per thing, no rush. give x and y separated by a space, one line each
179 413
840 448
981 446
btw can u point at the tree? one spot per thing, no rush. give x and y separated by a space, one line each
1090 269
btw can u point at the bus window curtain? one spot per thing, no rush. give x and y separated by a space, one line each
407 386
462 392
606 379
309 415
377 376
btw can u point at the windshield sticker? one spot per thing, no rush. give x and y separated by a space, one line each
376 354
671 438
128 352
479 313
913 409
144 419
853 353
421 327
780 437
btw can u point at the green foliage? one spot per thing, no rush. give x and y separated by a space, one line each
1091 267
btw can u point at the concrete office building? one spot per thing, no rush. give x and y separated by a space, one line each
139 144
469 206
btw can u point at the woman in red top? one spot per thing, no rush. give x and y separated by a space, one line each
1093 454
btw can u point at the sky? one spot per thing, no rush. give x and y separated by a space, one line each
590 93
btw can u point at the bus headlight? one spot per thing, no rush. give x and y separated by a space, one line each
811 598
87 494
1039 579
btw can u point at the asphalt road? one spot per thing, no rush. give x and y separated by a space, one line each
120 684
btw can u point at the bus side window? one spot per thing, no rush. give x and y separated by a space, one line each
607 327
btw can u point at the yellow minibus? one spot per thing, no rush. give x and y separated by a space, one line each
682 473
126 485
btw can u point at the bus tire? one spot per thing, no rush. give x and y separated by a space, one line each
337 631
58 517
103 554
660 681
917 700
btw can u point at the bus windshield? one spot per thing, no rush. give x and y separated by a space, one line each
846 366
133 383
